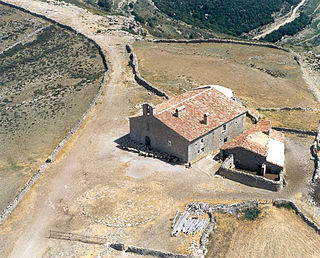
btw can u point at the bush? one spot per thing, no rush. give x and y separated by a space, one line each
104 4
137 17
251 214
284 205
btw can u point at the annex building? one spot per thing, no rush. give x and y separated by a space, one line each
190 125
259 149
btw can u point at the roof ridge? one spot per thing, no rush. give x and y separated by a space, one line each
184 101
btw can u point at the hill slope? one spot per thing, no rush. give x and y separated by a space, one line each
227 16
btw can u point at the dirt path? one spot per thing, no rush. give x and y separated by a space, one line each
311 80
89 183
278 24
31 242
315 10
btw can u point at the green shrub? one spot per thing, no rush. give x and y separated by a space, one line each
104 4
251 214
284 205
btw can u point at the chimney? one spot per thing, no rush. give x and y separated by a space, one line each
147 109
206 118
180 111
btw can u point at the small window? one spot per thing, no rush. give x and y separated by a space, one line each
202 149
169 143
225 139
198 151
224 127
202 140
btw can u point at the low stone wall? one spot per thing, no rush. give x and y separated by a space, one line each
121 247
298 212
248 179
62 26
295 131
137 76
217 40
208 208
151 252
288 109
7 211
255 119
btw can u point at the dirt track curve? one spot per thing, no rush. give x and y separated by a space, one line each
92 177
277 25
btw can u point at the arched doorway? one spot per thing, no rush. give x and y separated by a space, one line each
147 141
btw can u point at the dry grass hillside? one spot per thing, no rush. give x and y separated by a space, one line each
261 77
277 232
46 82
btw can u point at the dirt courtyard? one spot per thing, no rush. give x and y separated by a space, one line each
95 188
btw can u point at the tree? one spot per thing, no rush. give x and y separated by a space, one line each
104 4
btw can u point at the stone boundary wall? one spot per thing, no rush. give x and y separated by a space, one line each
249 179
137 76
195 208
7 211
288 109
116 246
210 209
307 220
151 252
295 131
254 118
61 26
217 40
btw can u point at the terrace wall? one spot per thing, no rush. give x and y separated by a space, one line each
227 171
137 76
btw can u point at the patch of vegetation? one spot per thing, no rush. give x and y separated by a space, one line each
287 206
104 4
310 34
226 16
289 29
138 17
220 239
161 25
251 214
47 82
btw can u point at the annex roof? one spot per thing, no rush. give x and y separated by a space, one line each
263 140
196 103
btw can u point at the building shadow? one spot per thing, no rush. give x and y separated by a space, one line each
125 143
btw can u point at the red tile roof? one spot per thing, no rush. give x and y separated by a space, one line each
189 125
255 139
274 134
